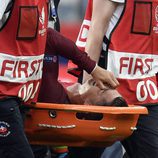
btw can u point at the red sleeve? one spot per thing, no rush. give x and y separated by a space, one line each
69 50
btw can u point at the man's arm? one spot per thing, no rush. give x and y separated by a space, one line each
68 49
101 15
3 6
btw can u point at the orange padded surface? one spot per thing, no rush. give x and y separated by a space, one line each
57 124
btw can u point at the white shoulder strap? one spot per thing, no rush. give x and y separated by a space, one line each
3 6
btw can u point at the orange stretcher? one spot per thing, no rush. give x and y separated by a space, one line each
65 124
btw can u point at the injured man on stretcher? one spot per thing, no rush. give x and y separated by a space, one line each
90 94
95 92
52 91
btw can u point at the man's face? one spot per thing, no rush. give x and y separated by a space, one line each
90 94
96 96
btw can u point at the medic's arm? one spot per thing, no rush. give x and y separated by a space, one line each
101 15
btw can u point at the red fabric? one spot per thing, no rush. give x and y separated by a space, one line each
20 73
139 18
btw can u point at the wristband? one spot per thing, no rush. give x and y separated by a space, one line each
94 68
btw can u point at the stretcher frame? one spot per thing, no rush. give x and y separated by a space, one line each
57 124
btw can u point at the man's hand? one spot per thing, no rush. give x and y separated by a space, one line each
104 78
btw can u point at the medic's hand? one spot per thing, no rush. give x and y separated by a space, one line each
104 78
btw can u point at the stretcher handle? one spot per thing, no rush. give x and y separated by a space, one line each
93 109
103 128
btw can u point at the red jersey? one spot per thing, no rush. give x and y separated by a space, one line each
133 52
22 45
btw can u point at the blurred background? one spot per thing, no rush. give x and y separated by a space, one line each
71 14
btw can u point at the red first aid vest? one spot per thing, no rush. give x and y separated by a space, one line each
132 51
22 46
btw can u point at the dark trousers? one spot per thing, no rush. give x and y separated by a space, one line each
85 152
143 143
39 151
13 142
